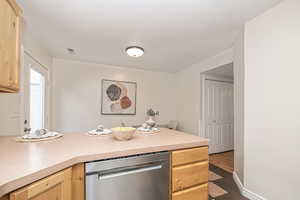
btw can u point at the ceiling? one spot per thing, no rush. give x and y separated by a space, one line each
174 33
224 71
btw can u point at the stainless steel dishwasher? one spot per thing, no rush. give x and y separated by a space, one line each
141 177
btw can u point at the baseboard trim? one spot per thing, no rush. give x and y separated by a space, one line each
238 182
244 191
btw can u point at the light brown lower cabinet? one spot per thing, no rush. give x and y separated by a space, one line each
54 187
78 182
6 197
188 176
67 184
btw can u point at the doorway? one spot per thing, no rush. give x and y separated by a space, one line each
218 114
36 78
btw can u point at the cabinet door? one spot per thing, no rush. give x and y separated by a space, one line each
54 187
9 46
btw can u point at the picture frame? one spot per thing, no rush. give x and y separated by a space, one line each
118 97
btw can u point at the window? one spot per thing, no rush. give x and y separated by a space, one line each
37 100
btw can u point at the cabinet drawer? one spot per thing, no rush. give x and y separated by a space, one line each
194 193
189 175
189 156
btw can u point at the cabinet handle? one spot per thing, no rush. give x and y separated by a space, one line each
128 171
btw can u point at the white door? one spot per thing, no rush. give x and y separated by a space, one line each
218 115
35 94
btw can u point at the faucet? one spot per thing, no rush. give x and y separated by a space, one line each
26 129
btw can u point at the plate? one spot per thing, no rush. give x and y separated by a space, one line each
22 139
104 132
145 130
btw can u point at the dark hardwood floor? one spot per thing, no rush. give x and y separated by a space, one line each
227 183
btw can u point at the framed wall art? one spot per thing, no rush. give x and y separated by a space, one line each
118 97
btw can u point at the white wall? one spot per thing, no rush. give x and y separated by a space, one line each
76 95
35 48
10 106
272 102
189 91
239 77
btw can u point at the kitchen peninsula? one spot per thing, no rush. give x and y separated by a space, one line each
25 167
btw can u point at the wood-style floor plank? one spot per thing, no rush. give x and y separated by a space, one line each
224 160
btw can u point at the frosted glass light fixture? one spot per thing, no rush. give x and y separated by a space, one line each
135 51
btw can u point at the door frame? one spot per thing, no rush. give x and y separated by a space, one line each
203 78
24 96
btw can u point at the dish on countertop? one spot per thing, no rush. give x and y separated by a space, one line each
103 132
123 133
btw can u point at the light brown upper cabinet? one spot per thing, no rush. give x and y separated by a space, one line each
10 14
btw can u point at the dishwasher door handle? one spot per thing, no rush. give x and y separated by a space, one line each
127 171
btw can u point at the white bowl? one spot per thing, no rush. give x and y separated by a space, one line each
123 133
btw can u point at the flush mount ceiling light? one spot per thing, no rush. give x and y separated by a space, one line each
135 51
